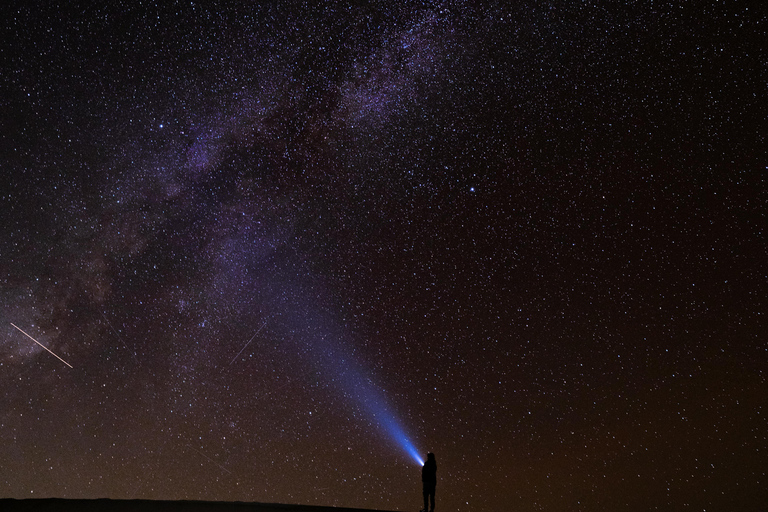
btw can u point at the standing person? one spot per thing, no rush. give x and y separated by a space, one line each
429 481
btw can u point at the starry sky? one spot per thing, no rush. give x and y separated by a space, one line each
277 242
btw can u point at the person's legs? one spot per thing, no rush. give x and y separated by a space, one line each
426 500
432 498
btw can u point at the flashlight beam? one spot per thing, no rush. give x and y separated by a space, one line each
249 342
46 348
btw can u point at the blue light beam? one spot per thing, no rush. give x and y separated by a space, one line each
375 404
397 434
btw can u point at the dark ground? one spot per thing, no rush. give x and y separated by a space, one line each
60 505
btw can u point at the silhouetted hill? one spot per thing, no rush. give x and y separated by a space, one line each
107 505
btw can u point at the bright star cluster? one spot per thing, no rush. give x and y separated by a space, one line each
284 245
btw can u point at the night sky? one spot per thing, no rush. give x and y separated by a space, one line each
277 243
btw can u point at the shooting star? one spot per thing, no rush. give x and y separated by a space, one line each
249 342
46 348
210 459
119 337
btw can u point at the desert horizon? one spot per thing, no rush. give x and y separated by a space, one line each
113 505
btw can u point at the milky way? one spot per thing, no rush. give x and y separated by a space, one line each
279 245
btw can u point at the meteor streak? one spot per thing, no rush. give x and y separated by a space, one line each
46 348
249 342
119 337
210 459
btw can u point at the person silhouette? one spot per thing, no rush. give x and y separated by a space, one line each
429 481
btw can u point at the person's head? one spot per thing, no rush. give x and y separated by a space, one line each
431 456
